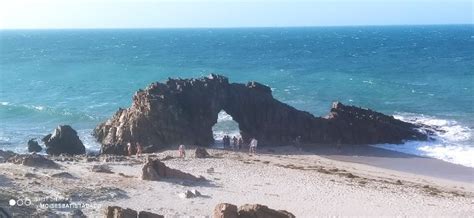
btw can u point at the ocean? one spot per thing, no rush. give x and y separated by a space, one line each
422 74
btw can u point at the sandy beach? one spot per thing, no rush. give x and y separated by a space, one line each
302 182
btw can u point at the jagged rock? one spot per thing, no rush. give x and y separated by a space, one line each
145 214
118 212
33 160
225 210
156 170
78 214
64 140
262 211
183 111
5 155
201 153
186 194
33 146
190 194
64 175
101 169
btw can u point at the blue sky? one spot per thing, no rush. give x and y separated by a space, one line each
18 14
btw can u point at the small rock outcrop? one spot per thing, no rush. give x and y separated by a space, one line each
5 155
33 160
262 211
183 111
33 146
226 210
155 170
118 212
201 153
64 140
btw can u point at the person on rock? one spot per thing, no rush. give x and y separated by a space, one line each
182 151
139 149
253 146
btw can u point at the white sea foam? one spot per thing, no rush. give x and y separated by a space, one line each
223 116
4 103
452 142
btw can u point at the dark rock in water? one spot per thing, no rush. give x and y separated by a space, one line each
64 140
155 170
183 111
201 153
33 160
225 210
262 211
33 146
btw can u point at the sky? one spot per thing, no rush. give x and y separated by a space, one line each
59 14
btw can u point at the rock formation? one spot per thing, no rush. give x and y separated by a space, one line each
33 160
225 210
201 153
262 211
118 212
183 111
33 146
64 140
155 170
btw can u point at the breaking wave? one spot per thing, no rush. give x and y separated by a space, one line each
451 141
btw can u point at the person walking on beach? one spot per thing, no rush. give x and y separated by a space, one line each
253 146
182 152
139 148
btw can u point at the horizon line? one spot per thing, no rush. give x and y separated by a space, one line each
235 27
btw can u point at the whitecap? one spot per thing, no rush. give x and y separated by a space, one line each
451 142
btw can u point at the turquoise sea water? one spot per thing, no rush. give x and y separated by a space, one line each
80 77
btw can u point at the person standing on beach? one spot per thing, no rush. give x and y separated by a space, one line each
241 142
139 148
253 146
235 143
182 152
129 149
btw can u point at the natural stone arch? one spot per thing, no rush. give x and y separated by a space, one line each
183 111
228 127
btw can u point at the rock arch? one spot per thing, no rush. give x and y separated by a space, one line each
183 111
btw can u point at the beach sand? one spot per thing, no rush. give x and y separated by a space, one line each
310 183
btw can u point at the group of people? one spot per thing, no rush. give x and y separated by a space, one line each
137 149
237 143
234 142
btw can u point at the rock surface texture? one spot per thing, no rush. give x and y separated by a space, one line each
64 140
155 170
226 210
118 212
183 111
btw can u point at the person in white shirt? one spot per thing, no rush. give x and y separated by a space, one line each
182 151
253 146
